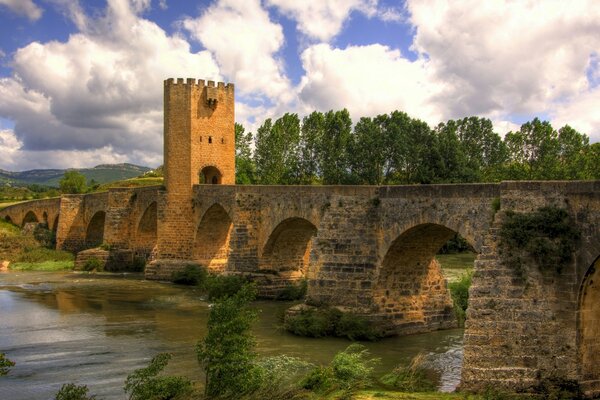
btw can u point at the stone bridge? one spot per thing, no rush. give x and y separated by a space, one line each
371 250
368 249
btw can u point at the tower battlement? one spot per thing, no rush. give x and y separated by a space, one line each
199 83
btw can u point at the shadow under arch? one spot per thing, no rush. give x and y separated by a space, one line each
411 292
211 175
211 247
288 248
94 234
589 331
146 232
29 218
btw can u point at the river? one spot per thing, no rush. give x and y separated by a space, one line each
96 329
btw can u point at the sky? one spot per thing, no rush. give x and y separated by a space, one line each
81 81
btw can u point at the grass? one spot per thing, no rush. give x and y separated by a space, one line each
42 266
133 182
456 265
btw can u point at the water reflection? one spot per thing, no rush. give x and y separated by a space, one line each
95 330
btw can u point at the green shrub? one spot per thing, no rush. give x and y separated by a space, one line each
319 379
138 264
93 264
547 235
192 275
410 378
105 246
44 236
349 371
5 364
559 389
222 286
279 377
71 391
329 321
145 384
293 291
459 291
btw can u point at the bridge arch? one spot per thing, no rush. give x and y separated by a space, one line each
94 235
410 290
55 224
288 248
146 232
211 175
589 326
29 218
211 246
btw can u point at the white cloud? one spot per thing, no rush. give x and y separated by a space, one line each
100 91
581 113
26 8
323 19
245 43
367 80
506 56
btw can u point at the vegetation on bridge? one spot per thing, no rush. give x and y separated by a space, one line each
548 236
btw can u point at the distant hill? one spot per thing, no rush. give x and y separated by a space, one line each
49 177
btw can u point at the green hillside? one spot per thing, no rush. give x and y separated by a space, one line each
49 177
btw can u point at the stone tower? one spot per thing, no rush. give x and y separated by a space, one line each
199 148
199 134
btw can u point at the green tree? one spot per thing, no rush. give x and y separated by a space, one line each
335 146
71 391
370 155
245 169
533 151
145 384
5 364
573 147
227 352
277 151
72 182
311 137
592 161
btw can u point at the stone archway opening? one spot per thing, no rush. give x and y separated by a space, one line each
55 224
146 234
94 235
210 175
212 239
589 331
411 292
29 218
288 248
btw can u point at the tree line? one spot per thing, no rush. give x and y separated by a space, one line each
325 148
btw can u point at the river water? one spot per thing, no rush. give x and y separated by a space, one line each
96 329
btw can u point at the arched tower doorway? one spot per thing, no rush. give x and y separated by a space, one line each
146 233
211 175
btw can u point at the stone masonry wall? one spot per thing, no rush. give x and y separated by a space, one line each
518 334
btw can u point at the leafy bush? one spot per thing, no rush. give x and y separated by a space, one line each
145 384
329 321
350 370
192 275
410 378
71 391
547 235
227 352
93 264
222 286
279 377
295 291
559 389
44 236
5 364
459 291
